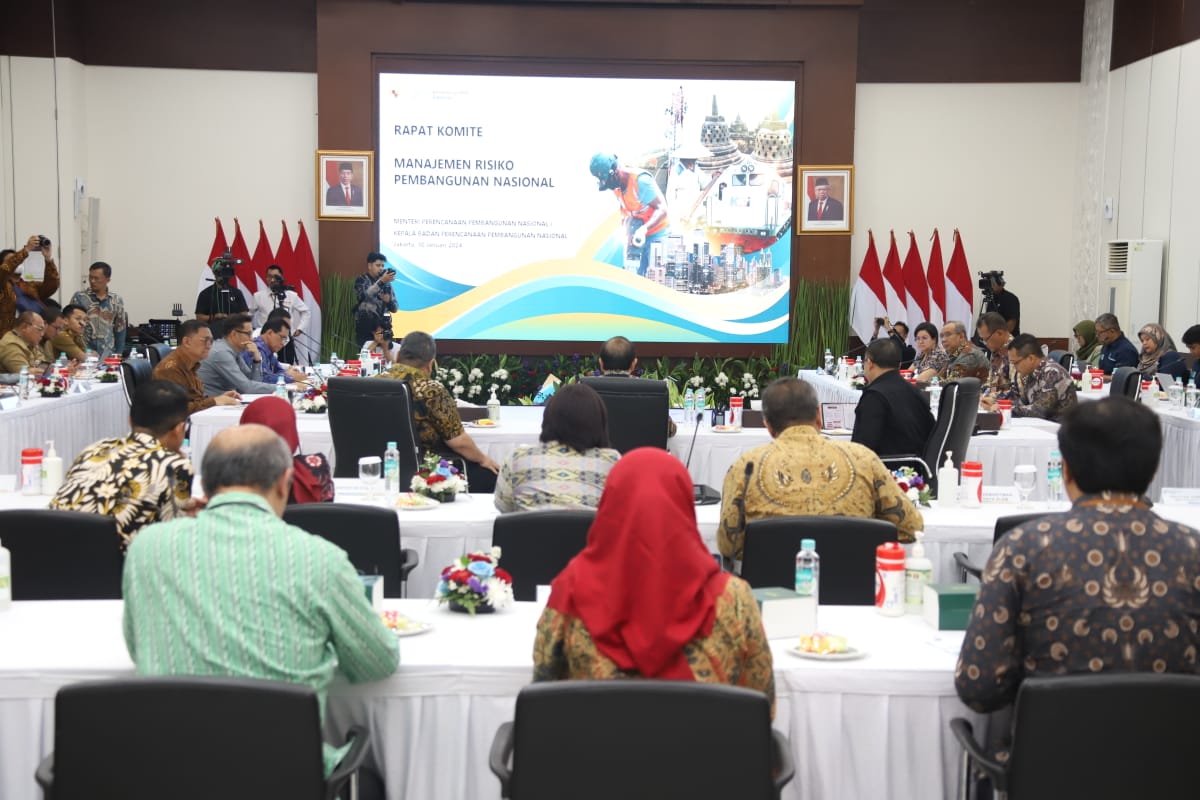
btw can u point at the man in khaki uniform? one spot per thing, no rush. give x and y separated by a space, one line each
21 347
804 473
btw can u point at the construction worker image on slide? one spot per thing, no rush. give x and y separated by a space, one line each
643 207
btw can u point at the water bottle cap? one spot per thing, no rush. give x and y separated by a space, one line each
391 446
808 544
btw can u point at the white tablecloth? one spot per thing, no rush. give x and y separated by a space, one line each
73 422
866 729
1179 465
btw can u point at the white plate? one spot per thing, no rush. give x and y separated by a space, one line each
715 429
478 424
850 654
424 506
421 627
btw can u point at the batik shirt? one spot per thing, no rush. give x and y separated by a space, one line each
1000 377
133 479
374 298
802 473
435 415
9 274
1106 587
735 653
936 360
236 591
967 362
553 474
1047 392
104 330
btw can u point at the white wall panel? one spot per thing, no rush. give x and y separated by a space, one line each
1181 295
1130 213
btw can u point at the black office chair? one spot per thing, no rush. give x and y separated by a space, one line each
134 372
1063 357
62 555
1109 736
641 739
1003 526
192 739
846 546
957 409
1125 381
536 545
157 352
364 415
637 410
369 535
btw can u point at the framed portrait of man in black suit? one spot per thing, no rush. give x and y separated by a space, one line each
344 184
827 205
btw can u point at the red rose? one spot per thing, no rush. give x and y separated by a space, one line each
503 575
460 576
435 479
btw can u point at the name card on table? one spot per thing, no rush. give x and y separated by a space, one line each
9 402
1001 495
1180 497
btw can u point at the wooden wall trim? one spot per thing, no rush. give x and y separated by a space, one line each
1142 28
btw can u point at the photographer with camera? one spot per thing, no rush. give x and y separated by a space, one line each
375 298
997 298
898 333
221 300
279 294
383 342
11 283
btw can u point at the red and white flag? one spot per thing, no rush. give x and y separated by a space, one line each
893 284
868 297
937 283
916 285
262 258
242 278
960 292
303 273
220 245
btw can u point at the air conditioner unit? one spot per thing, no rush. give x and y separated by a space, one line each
1132 284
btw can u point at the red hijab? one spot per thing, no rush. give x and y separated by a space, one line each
645 585
278 415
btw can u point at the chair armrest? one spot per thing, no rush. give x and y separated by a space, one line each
785 768
360 739
45 776
966 568
409 561
502 747
916 462
965 734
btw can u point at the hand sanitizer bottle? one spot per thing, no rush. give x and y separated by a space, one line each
918 573
493 407
52 470
948 483
5 579
935 396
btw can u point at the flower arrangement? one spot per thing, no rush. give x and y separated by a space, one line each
109 375
438 479
858 382
313 401
913 485
475 583
52 386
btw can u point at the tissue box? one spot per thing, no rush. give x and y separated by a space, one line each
948 605
373 586
785 613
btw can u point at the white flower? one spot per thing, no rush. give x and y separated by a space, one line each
748 380
475 374
753 392
500 374
496 553
696 380
458 389
495 387
914 494
721 380
499 593
474 390
457 375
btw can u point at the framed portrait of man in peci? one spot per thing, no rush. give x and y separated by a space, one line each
827 205
344 184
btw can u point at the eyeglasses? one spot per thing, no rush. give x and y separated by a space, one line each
245 333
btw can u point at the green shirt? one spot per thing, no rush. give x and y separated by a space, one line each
237 591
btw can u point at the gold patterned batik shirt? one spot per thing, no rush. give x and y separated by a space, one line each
435 415
803 473
133 479
1106 587
735 653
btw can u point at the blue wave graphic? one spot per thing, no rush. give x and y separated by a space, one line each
416 289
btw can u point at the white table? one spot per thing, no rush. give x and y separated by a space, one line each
872 728
829 389
73 421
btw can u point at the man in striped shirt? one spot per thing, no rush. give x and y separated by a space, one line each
237 591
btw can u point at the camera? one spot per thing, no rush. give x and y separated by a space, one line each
223 265
986 279
387 328
43 241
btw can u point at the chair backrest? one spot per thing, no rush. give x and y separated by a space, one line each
1007 523
659 733
364 415
370 536
158 352
62 555
536 545
1062 357
178 737
1109 735
957 410
637 410
1125 381
846 546
134 372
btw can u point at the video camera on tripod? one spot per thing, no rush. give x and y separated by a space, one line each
986 279
223 266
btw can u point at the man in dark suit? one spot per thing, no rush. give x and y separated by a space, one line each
824 207
892 417
345 193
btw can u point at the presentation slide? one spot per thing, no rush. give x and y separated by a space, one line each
574 209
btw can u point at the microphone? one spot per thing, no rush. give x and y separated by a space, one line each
687 463
701 495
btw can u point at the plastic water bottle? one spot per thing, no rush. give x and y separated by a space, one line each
364 358
391 471
1190 394
808 584
1175 393
60 363
335 361
281 387
935 396
689 406
828 361
700 399
858 366
1054 477
5 579
23 383
185 449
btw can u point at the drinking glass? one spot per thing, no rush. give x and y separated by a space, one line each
370 469
1025 477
